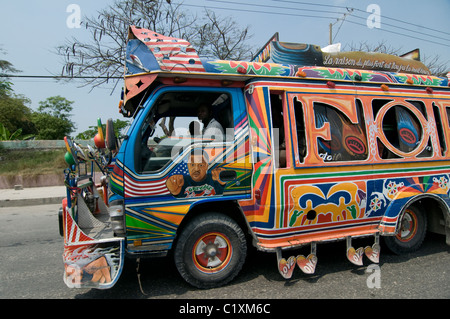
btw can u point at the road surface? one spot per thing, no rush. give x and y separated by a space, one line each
32 268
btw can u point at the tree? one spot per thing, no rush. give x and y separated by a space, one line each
14 114
102 58
52 118
50 122
56 106
5 84
6 135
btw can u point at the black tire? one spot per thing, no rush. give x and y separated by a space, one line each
210 251
411 232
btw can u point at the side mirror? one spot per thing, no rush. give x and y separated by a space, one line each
111 140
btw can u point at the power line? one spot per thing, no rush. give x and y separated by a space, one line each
344 7
310 4
409 23
57 77
348 9
257 11
327 17
340 26
406 29
276 7
402 34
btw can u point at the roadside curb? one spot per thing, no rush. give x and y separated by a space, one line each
30 202
32 196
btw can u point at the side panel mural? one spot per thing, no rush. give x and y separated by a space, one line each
260 210
332 195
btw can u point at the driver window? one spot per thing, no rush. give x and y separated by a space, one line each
179 120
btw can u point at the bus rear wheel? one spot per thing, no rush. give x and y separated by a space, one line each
411 232
210 251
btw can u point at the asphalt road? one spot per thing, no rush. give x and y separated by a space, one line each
32 268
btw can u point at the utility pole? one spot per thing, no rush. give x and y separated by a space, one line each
331 34
349 11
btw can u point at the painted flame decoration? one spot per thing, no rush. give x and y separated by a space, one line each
89 253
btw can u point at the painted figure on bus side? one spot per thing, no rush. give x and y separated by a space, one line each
199 182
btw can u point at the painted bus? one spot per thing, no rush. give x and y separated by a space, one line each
297 147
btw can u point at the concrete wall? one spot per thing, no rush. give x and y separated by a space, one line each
9 182
36 144
38 180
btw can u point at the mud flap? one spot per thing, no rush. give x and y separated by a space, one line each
93 265
447 235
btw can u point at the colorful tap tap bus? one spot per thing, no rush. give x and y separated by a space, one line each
306 148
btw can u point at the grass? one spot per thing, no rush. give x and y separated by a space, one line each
32 162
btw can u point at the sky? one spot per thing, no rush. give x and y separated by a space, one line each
31 29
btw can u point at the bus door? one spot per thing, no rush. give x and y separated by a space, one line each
270 138
326 194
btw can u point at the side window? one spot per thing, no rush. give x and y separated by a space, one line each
420 106
178 120
428 151
402 129
440 129
300 125
279 141
388 130
448 115
348 140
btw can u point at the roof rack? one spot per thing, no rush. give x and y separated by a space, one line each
301 54
150 55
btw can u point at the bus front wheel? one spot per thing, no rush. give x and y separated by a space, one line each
411 232
210 251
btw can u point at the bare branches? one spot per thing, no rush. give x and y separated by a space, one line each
221 38
101 59
380 47
434 63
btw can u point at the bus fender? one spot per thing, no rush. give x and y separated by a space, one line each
397 207
389 221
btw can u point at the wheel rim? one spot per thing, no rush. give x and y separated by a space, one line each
212 252
408 227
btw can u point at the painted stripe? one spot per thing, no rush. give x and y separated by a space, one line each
422 169
323 227
151 219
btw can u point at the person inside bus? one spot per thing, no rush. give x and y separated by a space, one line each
171 130
211 127
194 129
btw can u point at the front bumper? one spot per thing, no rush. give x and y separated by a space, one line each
93 255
